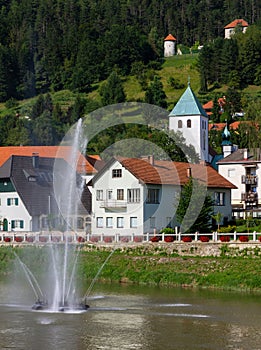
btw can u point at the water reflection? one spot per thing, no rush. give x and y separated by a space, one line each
129 317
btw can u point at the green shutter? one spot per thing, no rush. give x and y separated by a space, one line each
16 201
8 201
21 224
12 224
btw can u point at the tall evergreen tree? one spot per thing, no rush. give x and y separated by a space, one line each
112 91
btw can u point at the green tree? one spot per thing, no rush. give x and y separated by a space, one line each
112 91
203 221
155 94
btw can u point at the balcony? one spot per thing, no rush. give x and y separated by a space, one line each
250 198
249 179
113 204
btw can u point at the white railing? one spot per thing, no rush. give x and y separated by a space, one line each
51 237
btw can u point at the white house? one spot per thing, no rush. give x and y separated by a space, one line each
242 167
169 45
189 117
27 198
231 28
133 196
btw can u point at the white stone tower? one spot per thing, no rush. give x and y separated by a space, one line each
169 46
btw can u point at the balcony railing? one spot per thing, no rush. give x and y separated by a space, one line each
249 197
249 179
113 203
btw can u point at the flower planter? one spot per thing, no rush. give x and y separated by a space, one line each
43 239
80 239
94 239
29 239
243 238
19 239
186 239
124 239
138 239
169 239
107 239
154 239
7 239
204 239
224 238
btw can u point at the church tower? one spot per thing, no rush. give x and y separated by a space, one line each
189 117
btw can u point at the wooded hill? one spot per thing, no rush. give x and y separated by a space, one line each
51 45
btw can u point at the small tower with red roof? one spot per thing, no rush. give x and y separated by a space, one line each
169 45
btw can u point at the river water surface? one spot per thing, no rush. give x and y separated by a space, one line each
131 317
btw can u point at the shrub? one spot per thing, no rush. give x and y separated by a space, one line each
204 239
168 239
187 239
154 239
243 238
228 229
224 238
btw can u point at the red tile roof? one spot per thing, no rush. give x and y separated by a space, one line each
170 37
221 126
84 166
237 22
173 173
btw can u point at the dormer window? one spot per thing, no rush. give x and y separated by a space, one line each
179 124
189 123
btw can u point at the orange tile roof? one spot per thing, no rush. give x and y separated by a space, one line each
84 166
221 126
237 22
170 37
173 173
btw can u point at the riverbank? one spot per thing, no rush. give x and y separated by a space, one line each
221 266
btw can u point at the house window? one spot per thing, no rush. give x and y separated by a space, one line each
12 201
116 172
120 194
17 224
109 194
133 222
153 195
99 195
179 124
152 222
219 198
109 222
133 195
120 222
189 123
99 222
80 223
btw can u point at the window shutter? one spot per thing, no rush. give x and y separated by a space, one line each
12 224
8 201
16 201
21 224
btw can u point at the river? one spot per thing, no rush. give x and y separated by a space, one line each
134 317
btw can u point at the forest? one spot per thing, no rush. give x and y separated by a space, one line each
51 45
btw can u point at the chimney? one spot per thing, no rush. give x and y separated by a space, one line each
35 160
245 154
151 159
189 174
